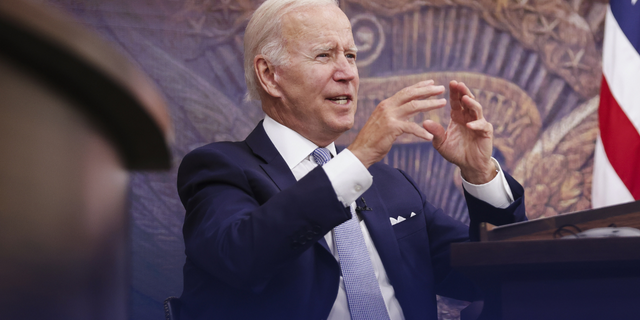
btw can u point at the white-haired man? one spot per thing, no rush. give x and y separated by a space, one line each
276 227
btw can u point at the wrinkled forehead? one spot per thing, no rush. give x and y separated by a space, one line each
311 22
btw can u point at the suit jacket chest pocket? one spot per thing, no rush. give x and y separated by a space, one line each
410 226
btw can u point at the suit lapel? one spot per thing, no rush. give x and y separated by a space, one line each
379 226
274 165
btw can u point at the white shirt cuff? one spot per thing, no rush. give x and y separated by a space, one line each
348 176
495 192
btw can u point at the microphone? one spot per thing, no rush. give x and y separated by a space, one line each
364 206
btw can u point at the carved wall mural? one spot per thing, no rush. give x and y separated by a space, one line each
535 65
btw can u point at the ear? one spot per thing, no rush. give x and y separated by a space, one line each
266 75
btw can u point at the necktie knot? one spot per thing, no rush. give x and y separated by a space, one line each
321 156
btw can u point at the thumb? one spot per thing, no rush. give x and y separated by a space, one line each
436 130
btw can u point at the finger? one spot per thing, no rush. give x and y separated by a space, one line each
414 129
436 130
464 90
416 106
474 107
481 126
425 83
454 95
419 91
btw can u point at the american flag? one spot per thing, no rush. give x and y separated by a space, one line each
616 174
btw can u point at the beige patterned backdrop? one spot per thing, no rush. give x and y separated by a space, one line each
535 65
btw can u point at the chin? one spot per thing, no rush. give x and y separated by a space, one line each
342 127
340 123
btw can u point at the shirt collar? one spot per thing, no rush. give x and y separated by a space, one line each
292 146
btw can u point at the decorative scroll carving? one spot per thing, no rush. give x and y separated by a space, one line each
557 171
369 36
215 19
563 38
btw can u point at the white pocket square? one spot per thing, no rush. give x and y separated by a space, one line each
400 218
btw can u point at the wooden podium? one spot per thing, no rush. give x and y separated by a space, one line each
75 116
528 272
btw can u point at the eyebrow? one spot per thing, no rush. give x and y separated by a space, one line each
323 47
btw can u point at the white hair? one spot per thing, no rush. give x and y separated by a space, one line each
264 36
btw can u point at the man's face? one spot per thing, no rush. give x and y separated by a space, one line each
319 85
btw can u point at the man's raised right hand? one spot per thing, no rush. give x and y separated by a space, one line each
391 118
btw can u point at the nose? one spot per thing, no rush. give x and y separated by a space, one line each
345 69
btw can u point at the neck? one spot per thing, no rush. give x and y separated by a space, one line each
321 139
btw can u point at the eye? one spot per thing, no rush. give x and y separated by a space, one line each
322 55
351 56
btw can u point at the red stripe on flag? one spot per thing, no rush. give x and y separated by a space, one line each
620 139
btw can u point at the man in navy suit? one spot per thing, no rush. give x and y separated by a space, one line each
261 220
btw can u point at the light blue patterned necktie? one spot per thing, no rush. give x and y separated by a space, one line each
363 291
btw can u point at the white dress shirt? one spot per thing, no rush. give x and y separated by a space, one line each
350 179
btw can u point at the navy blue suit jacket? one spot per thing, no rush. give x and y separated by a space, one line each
254 236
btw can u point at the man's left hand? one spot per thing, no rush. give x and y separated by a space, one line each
468 140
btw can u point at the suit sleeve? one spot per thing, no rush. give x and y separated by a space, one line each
239 235
480 211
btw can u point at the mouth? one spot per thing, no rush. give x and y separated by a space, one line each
340 99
